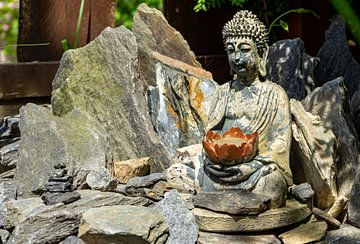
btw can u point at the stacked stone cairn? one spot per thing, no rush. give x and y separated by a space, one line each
59 188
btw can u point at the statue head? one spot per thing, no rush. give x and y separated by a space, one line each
245 38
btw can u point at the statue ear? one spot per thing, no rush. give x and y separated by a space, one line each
263 61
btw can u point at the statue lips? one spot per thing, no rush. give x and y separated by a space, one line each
234 146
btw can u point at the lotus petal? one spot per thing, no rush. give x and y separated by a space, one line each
210 150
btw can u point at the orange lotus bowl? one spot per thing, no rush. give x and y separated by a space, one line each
233 146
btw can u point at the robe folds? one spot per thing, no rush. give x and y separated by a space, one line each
262 106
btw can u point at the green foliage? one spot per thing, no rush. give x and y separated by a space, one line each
9 12
204 5
125 10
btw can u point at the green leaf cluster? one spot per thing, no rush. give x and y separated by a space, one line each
204 5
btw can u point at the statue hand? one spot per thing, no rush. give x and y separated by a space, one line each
240 172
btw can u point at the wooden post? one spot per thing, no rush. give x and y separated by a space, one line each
44 21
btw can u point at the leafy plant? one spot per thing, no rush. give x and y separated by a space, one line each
9 12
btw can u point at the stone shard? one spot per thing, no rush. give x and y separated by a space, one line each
101 180
153 33
209 221
172 104
125 170
354 203
4 235
330 103
9 156
336 58
122 224
45 228
76 140
315 145
289 66
72 240
232 202
181 221
10 127
7 193
102 79
145 181
302 192
51 198
310 232
346 234
214 238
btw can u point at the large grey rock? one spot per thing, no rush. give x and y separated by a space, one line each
181 221
346 234
153 33
331 104
101 79
46 228
354 203
289 66
101 180
7 193
76 140
336 58
232 202
214 238
33 221
123 224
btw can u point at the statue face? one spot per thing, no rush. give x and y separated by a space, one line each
243 58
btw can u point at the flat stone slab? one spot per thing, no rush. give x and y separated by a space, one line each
306 233
215 238
232 202
292 213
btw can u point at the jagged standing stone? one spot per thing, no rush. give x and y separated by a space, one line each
330 103
153 33
336 58
181 221
317 159
102 79
289 66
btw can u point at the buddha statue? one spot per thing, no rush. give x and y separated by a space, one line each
252 104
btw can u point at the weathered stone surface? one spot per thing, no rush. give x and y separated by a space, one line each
306 233
354 203
72 240
153 33
210 221
145 181
331 104
101 79
213 238
320 214
171 103
355 111
346 234
45 228
289 66
336 58
51 198
101 180
232 202
17 210
181 221
4 235
9 156
7 193
302 192
122 224
10 127
35 221
315 145
77 140
125 170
